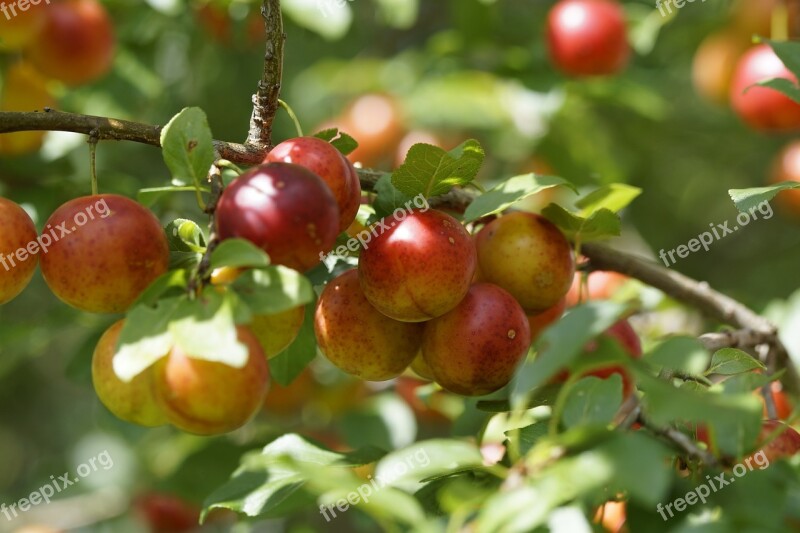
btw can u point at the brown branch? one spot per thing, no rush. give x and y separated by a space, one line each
104 128
265 101
697 294
682 441
743 338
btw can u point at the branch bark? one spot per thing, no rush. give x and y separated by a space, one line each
105 128
265 101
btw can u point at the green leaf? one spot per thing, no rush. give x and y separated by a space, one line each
235 253
629 463
384 420
388 197
205 329
734 417
613 197
145 338
173 281
789 53
187 146
151 195
782 85
266 480
185 235
505 194
273 289
339 139
529 436
730 361
430 171
601 224
752 198
287 365
592 400
684 354
408 467
562 343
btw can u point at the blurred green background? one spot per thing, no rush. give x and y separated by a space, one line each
456 68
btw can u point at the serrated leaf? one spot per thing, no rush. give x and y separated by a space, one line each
782 85
339 139
287 365
205 328
730 361
188 146
747 199
388 197
504 195
238 253
430 171
613 197
601 224
273 289
592 400
151 195
145 338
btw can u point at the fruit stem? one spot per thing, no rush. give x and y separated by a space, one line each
224 163
779 29
93 161
292 115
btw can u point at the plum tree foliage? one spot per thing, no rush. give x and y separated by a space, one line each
304 327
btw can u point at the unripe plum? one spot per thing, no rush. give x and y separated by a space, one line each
600 285
18 30
17 232
529 257
284 209
475 348
105 250
786 167
420 267
324 160
210 398
588 37
763 108
714 64
358 339
277 331
76 44
24 89
134 401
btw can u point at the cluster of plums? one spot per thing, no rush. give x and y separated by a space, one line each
71 41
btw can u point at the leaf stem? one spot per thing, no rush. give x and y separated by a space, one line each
292 115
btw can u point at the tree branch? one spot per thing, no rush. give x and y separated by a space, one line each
265 101
697 294
105 128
